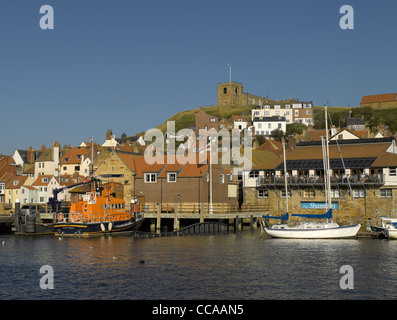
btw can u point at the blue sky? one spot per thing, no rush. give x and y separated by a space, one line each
129 65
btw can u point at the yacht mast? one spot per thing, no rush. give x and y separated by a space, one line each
328 173
285 176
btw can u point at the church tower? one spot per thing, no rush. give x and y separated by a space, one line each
230 93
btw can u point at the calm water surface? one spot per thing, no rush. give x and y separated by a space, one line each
244 265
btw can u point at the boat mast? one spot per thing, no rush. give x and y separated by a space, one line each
285 176
328 172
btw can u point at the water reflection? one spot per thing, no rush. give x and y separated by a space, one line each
244 265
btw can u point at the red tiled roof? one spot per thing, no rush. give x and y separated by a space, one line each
39 181
19 179
388 97
72 156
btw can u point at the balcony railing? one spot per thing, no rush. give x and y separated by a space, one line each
310 181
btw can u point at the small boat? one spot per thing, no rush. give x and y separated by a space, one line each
98 212
391 233
388 227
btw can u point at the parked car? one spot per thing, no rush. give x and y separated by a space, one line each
31 209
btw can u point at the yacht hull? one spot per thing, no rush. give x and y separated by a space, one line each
320 233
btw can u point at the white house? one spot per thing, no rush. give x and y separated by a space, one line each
240 123
29 194
276 111
265 125
344 134
48 162
45 185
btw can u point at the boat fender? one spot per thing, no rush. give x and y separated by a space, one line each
110 226
60 217
103 227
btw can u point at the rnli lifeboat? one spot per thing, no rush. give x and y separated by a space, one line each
99 212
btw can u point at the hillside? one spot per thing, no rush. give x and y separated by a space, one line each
185 119
373 117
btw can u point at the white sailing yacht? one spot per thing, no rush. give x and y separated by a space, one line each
326 229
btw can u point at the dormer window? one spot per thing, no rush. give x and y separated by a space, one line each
171 176
150 177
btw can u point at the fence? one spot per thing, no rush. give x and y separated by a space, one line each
195 208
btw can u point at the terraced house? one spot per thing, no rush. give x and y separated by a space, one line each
363 179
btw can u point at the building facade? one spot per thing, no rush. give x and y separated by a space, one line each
366 188
263 126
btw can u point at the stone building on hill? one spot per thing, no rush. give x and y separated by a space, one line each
388 100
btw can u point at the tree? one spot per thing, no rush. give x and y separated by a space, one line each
277 134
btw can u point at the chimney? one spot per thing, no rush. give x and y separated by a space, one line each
109 135
30 155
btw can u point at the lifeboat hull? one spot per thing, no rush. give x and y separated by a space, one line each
96 228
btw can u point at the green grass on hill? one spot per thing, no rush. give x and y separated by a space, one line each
185 119
372 117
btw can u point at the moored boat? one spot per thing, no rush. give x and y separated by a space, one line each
98 212
324 229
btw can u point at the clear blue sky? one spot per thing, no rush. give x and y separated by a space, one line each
129 65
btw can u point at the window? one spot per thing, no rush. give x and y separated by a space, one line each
283 193
385 193
254 174
359 193
239 176
335 193
76 168
309 193
224 90
171 176
230 177
222 178
212 119
150 177
64 168
263 194
269 125
392 171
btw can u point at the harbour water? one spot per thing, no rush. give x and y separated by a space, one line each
245 265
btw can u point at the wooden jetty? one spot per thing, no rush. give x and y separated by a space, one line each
236 219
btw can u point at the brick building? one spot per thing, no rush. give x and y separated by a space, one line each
205 121
168 183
